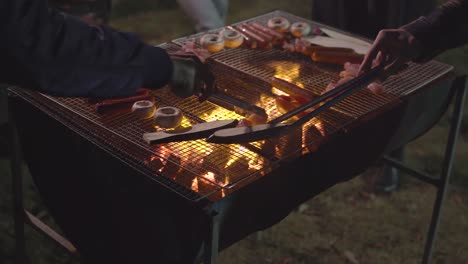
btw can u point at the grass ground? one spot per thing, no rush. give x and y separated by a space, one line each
345 224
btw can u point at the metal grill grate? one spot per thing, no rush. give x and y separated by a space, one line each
196 169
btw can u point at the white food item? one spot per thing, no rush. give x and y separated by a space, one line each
279 24
300 29
168 117
232 38
144 108
212 42
376 88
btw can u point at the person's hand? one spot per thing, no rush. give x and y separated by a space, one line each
392 48
191 76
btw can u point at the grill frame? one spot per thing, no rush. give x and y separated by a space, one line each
105 133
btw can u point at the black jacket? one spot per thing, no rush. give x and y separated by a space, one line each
55 53
445 28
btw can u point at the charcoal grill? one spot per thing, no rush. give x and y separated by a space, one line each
221 192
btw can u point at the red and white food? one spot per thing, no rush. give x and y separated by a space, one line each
287 103
260 40
190 48
350 71
252 120
277 36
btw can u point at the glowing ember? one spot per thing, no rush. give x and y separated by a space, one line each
220 113
212 166
321 128
195 185
210 176
193 157
289 72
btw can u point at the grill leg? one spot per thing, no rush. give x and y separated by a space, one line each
17 192
441 183
460 86
212 241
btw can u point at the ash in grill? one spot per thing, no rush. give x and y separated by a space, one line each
245 181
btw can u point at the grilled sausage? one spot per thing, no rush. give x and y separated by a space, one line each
260 33
262 43
269 31
310 50
336 57
142 94
291 89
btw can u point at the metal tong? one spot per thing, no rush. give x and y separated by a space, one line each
235 104
275 128
210 91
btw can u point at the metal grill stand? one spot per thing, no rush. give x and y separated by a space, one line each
22 215
441 182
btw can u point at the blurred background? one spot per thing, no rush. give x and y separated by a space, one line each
348 223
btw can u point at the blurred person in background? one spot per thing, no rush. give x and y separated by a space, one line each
366 18
205 14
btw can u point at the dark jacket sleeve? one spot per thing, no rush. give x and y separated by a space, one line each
52 52
445 28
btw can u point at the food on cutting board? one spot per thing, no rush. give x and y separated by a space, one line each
168 117
143 109
212 42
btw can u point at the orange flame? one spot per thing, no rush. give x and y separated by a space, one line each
288 72
321 128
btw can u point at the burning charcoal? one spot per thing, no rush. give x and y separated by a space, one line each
238 167
290 145
172 166
217 160
156 163
269 147
312 138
